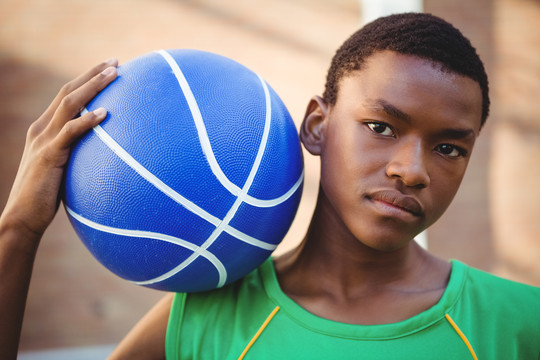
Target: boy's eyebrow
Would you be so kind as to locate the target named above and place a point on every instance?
(389, 109)
(458, 134)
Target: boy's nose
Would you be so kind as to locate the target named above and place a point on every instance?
(408, 164)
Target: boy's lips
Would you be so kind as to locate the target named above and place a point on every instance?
(397, 199)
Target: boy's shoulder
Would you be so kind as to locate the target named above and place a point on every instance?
(497, 284)
(500, 317)
(489, 293)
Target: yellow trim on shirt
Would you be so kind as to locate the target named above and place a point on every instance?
(461, 335)
(259, 332)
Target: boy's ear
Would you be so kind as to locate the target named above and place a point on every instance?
(312, 130)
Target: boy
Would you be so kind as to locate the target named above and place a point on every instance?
(405, 99)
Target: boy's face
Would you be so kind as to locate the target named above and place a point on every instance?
(395, 146)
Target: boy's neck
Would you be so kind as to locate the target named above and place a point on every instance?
(355, 267)
(339, 278)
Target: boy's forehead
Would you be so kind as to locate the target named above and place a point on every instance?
(390, 66)
(410, 82)
(398, 62)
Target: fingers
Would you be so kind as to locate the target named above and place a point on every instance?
(55, 131)
(74, 85)
(72, 103)
(33, 200)
(81, 80)
(73, 129)
(84, 78)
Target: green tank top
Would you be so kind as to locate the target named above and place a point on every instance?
(479, 316)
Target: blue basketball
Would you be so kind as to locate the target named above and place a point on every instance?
(193, 178)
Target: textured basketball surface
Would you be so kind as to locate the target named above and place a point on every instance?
(194, 177)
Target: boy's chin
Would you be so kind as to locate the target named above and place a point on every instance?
(388, 241)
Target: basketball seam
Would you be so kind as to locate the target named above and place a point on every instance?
(206, 146)
(171, 193)
(205, 143)
(240, 193)
(148, 235)
(168, 191)
(204, 140)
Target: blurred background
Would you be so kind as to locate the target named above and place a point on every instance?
(493, 224)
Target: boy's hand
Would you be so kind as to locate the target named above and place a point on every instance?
(34, 198)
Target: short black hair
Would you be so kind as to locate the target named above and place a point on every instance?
(418, 34)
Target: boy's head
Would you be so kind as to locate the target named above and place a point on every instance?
(406, 97)
(417, 34)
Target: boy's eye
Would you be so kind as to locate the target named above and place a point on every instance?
(450, 150)
(380, 128)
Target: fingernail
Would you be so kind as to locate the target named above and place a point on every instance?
(112, 61)
(108, 71)
(101, 112)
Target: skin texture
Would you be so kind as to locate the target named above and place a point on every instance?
(34, 198)
(147, 338)
(418, 105)
(393, 149)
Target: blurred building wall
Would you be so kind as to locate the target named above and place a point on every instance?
(515, 148)
(493, 223)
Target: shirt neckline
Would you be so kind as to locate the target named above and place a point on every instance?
(373, 332)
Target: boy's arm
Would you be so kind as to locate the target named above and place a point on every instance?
(34, 197)
(146, 341)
